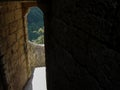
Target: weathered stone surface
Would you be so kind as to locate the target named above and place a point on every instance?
(36, 55)
(12, 46)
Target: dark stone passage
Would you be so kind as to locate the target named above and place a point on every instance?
(3, 82)
(82, 45)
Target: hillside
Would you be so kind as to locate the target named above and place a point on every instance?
(35, 22)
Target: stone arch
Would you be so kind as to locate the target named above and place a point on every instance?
(38, 52)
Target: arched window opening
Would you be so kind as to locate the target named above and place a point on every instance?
(35, 20)
(34, 23)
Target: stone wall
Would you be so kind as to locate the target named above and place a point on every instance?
(82, 45)
(36, 55)
(13, 45)
(18, 57)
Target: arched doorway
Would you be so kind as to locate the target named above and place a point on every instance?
(34, 23)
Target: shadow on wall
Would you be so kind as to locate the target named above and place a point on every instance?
(29, 83)
(3, 82)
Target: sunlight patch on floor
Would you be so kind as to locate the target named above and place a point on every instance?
(39, 79)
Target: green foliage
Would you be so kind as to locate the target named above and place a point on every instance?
(35, 25)
(40, 39)
(33, 31)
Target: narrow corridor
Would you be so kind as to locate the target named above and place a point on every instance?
(38, 80)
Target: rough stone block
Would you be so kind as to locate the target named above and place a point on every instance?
(2, 20)
(23, 58)
(18, 5)
(15, 47)
(20, 34)
(7, 56)
(12, 44)
(3, 47)
(18, 14)
(2, 33)
(20, 23)
(21, 50)
(11, 39)
(3, 9)
(9, 17)
(11, 6)
(13, 27)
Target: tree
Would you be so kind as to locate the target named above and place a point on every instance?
(40, 39)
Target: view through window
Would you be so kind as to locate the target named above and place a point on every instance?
(35, 25)
(35, 28)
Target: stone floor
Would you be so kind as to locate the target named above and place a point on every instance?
(38, 80)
